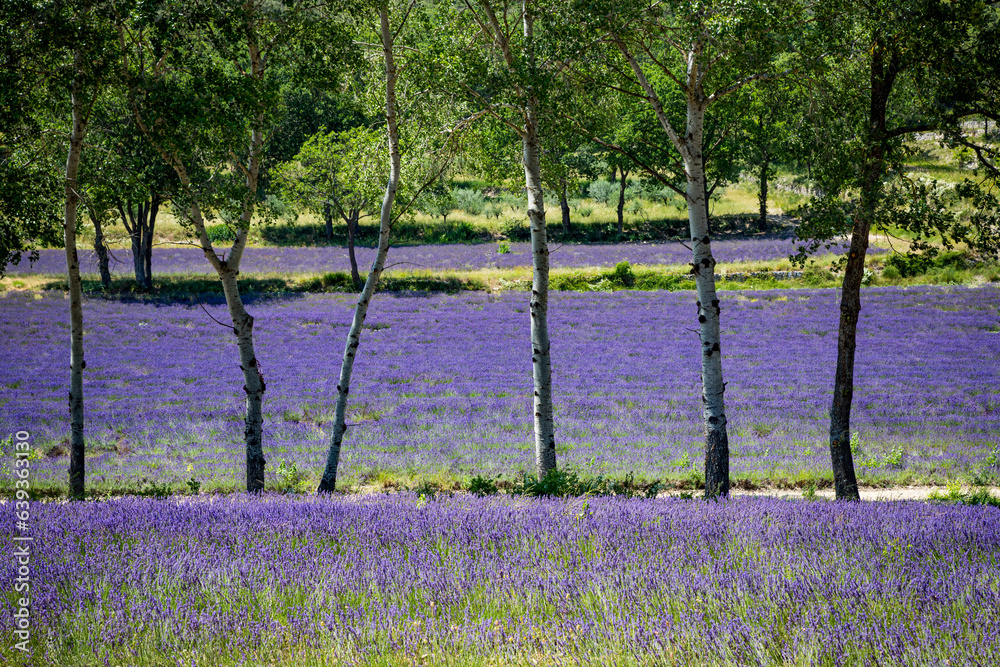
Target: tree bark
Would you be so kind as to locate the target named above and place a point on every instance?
(352, 228)
(101, 248)
(762, 195)
(621, 203)
(328, 220)
(564, 205)
(689, 146)
(703, 267)
(328, 483)
(545, 441)
(77, 460)
(845, 479)
(228, 272)
(147, 241)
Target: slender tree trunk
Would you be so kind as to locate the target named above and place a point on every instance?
(101, 248)
(328, 483)
(564, 205)
(545, 441)
(77, 460)
(703, 267)
(762, 195)
(621, 203)
(253, 379)
(328, 220)
(844, 478)
(132, 219)
(352, 228)
(147, 240)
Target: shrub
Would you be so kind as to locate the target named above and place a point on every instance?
(503, 248)
(623, 274)
(816, 275)
(584, 211)
(891, 273)
(470, 201)
(602, 191)
(515, 202)
(483, 486)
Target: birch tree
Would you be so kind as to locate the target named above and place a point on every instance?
(205, 91)
(410, 128)
(682, 59)
(67, 48)
(497, 60)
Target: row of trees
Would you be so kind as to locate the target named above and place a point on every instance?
(214, 107)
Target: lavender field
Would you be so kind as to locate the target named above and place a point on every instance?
(396, 580)
(442, 386)
(457, 257)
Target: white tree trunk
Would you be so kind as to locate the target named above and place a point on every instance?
(545, 441)
(77, 461)
(703, 268)
(328, 483)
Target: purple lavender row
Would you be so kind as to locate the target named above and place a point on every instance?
(436, 257)
(442, 384)
(392, 579)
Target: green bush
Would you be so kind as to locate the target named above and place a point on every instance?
(623, 274)
(816, 275)
(483, 486)
(602, 191)
(470, 201)
(890, 272)
(561, 483)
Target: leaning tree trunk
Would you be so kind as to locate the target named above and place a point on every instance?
(621, 203)
(101, 248)
(844, 477)
(77, 456)
(564, 205)
(762, 194)
(703, 267)
(253, 379)
(328, 483)
(352, 228)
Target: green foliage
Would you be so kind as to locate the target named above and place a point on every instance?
(289, 477)
(623, 274)
(602, 191)
(914, 264)
(483, 486)
(955, 495)
(470, 201)
(816, 275)
(563, 483)
(503, 248)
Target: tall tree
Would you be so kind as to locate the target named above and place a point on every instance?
(913, 66)
(204, 80)
(681, 59)
(329, 480)
(69, 49)
(501, 65)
